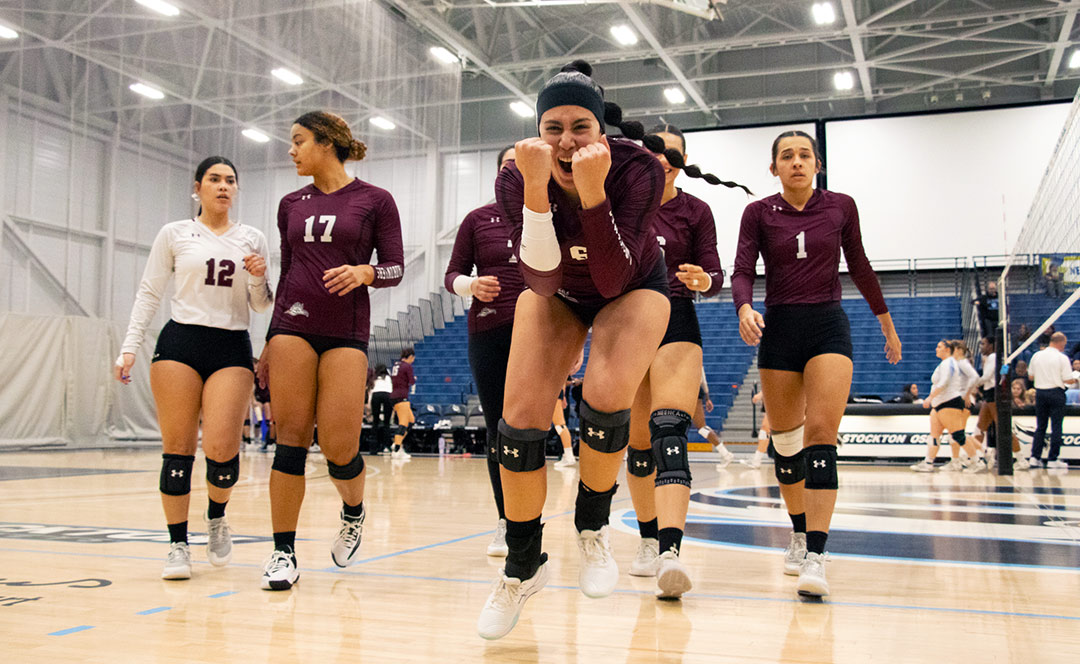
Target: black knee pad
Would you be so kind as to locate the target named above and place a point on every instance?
(400, 431)
(668, 428)
(290, 459)
(821, 467)
(223, 474)
(959, 437)
(605, 432)
(639, 463)
(521, 450)
(347, 471)
(176, 474)
(790, 469)
(492, 441)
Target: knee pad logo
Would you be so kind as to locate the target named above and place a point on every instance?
(511, 451)
(594, 433)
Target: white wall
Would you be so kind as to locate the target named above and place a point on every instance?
(955, 184)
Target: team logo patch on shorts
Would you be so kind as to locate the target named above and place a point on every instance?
(297, 309)
(486, 311)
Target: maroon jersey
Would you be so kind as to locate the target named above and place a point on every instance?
(801, 250)
(321, 231)
(606, 250)
(402, 378)
(687, 234)
(483, 240)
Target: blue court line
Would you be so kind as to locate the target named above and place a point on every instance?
(155, 610)
(224, 594)
(71, 630)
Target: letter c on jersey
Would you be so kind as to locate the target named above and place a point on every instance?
(579, 253)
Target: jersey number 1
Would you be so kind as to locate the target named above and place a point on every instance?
(801, 238)
(223, 277)
(328, 229)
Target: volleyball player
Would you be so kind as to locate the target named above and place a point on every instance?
(402, 378)
(558, 418)
(973, 448)
(705, 405)
(483, 240)
(658, 473)
(988, 410)
(382, 408)
(317, 343)
(581, 208)
(805, 337)
(763, 434)
(201, 370)
(949, 385)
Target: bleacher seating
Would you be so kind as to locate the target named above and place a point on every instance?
(1034, 309)
(444, 380)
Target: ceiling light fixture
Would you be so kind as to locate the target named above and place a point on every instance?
(624, 35)
(8, 33)
(160, 6)
(824, 13)
(146, 91)
(444, 55)
(522, 109)
(675, 95)
(382, 123)
(843, 80)
(256, 135)
(287, 76)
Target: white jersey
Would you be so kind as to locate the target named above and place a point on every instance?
(989, 366)
(384, 384)
(955, 377)
(211, 288)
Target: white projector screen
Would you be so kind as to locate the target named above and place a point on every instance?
(955, 184)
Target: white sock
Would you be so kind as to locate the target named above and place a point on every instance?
(757, 455)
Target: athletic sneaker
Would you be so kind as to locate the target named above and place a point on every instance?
(954, 466)
(726, 455)
(1057, 464)
(923, 466)
(346, 547)
(504, 604)
(567, 461)
(178, 564)
(599, 572)
(498, 542)
(795, 553)
(978, 466)
(754, 461)
(812, 576)
(648, 558)
(218, 541)
(1020, 463)
(672, 579)
(400, 453)
(1034, 463)
(279, 572)
(991, 458)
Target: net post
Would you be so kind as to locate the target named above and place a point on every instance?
(1003, 399)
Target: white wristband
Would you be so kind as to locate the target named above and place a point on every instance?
(539, 245)
(462, 285)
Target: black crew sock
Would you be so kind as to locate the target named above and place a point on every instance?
(670, 539)
(593, 507)
(648, 529)
(285, 541)
(496, 486)
(815, 541)
(524, 540)
(178, 532)
(353, 511)
(215, 510)
(798, 522)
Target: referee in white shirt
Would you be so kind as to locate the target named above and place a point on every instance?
(1051, 372)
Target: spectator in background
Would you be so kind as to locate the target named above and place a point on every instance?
(1044, 338)
(1020, 372)
(1020, 396)
(1076, 364)
(1054, 279)
(910, 394)
(987, 304)
(1021, 335)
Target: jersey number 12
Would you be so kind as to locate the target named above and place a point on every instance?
(223, 277)
(801, 239)
(327, 235)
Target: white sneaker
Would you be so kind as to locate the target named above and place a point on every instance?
(795, 553)
(498, 541)
(218, 541)
(726, 455)
(1057, 464)
(923, 466)
(599, 572)
(812, 576)
(400, 454)
(754, 461)
(648, 558)
(1034, 463)
(954, 466)
(1020, 463)
(178, 564)
(346, 547)
(279, 572)
(977, 466)
(567, 461)
(991, 458)
(504, 604)
(672, 579)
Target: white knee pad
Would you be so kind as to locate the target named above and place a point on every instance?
(762, 434)
(559, 429)
(704, 432)
(788, 443)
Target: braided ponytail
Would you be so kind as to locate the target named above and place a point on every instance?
(634, 130)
